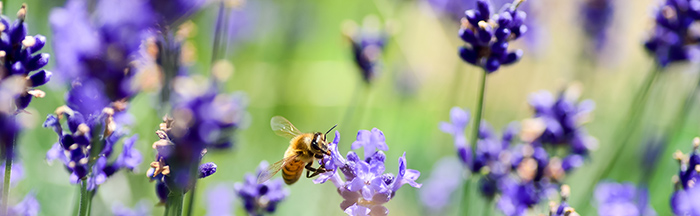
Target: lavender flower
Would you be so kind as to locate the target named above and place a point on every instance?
(201, 121)
(260, 199)
(459, 119)
(563, 208)
(444, 180)
(88, 144)
(597, 16)
(9, 128)
(101, 50)
(684, 199)
(622, 199)
(563, 120)
(142, 208)
(366, 187)
(371, 141)
(488, 36)
(220, 200)
(171, 12)
(368, 43)
(28, 207)
(20, 57)
(673, 38)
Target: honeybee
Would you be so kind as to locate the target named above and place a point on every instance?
(304, 149)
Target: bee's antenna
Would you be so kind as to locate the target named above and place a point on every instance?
(336, 125)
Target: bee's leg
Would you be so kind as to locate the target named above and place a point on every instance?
(316, 171)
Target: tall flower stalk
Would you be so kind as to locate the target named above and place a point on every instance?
(19, 61)
(487, 37)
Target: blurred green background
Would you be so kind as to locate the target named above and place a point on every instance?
(296, 63)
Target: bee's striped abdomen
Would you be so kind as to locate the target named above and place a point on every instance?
(292, 171)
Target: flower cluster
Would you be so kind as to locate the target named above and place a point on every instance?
(622, 199)
(199, 122)
(88, 144)
(365, 188)
(368, 42)
(19, 54)
(563, 208)
(537, 172)
(562, 120)
(597, 16)
(487, 35)
(437, 190)
(259, 199)
(673, 38)
(684, 198)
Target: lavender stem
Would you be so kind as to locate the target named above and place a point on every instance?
(6, 183)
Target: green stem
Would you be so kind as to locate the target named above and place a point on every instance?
(466, 202)
(85, 200)
(631, 122)
(194, 171)
(173, 205)
(489, 207)
(6, 183)
(479, 108)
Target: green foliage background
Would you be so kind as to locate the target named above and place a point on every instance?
(301, 68)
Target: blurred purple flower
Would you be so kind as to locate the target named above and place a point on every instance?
(685, 200)
(220, 200)
(169, 12)
(28, 207)
(597, 17)
(259, 199)
(368, 43)
(201, 121)
(563, 119)
(487, 35)
(674, 39)
(437, 190)
(142, 208)
(563, 208)
(366, 187)
(100, 50)
(615, 199)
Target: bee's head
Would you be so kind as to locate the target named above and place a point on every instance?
(319, 144)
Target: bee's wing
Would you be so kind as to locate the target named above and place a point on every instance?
(282, 127)
(274, 168)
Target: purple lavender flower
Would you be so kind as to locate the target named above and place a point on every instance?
(453, 9)
(201, 121)
(90, 135)
(366, 187)
(563, 119)
(142, 208)
(563, 208)
(684, 199)
(100, 50)
(371, 141)
(444, 180)
(368, 43)
(260, 199)
(459, 119)
(622, 199)
(19, 54)
(487, 37)
(597, 16)
(220, 200)
(170, 12)
(28, 207)
(673, 39)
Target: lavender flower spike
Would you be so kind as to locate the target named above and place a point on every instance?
(488, 35)
(259, 199)
(563, 208)
(622, 199)
(366, 187)
(673, 38)
(683, 200)
(19, 53)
